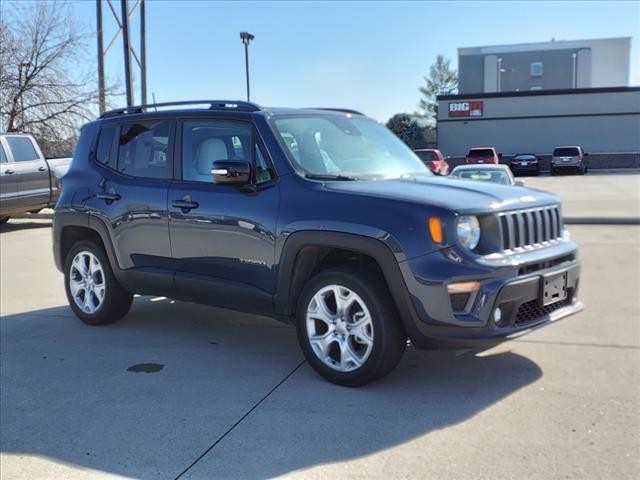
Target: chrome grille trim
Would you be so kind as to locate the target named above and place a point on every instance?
(530, 228)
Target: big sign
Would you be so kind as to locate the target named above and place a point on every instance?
(465, 109)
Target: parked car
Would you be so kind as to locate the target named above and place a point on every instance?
(483, 155)
(569, 158)
(28, 181)
(348, 236)
(433, 158)
(525, 163)
(486, 173)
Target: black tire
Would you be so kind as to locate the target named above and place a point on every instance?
(3, 220)
(389, 337)
(553, 172)
(116, 301)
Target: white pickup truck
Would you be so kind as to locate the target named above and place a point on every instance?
(28, 181)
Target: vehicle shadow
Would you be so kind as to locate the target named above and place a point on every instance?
(81, 395)
(16, 226)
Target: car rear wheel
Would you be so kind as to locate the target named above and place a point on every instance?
(94, 294)
(348, 327)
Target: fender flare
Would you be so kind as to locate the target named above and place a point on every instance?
(374, 248)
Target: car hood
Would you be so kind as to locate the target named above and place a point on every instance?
(462, 196)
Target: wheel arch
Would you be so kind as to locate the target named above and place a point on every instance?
(307, 252)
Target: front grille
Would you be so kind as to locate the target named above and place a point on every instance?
(533, 310)
(530, 227)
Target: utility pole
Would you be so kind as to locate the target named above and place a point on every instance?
(127, 52)
(123, 21)
(246, 38)
(101, 98)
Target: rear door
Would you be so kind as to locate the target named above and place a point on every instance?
(135, 167)
(8, 184)
(224, 245)
(32, 172)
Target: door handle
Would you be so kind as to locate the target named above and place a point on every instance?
(185, 204)
(8, 171)
(42, 169)
(108, 196)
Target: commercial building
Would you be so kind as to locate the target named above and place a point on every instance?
(562, 64)
(602, 120)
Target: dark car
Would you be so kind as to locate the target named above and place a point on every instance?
(433, 158)
(322, 219)
(525, 163)
(569, 158)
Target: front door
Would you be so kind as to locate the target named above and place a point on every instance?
(8, 185)
(224, 245)
(31, 171)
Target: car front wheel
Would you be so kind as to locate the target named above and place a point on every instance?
(94, 294)
(348, 327)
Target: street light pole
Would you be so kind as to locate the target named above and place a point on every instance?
(246, 38)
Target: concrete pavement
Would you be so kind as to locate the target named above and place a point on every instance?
(231, 398)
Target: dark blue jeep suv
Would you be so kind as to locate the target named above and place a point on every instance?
(320, 218)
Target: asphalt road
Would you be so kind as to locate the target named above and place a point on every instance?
(228, 395)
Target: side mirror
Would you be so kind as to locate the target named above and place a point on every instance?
(231, 172)
(520, 183)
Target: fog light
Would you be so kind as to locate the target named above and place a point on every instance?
(497, 316)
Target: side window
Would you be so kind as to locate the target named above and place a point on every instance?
(264, 173)
(206, 141)
(105, 143)
(3, 157)
(143, 150)
(22, 149)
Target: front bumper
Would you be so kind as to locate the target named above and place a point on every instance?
(516, 288)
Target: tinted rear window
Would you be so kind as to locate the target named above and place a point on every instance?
(103, 152)
(143, 149)
(566, 152)
(22, 149)
(524, 157)
(427, 156)
(481, 152)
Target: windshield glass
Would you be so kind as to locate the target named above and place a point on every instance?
(480, 152)
(427, 155)
(566, 152)
(345, 146)
(494, 176)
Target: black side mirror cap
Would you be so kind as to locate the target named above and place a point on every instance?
(231, 172)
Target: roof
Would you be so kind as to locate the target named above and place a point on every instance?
(482, 166)
(539, 93)
(548, 45)
(218, 106)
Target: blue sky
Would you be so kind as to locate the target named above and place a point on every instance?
(371, 56)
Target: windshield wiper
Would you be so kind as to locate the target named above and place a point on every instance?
(314, 176)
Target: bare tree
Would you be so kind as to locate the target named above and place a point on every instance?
(441, 81)
(47, 84)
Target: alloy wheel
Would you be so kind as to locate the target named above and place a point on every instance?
(87, 282)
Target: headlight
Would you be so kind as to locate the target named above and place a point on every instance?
(468, 230)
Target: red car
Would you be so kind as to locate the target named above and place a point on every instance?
(483, 155)
(433, 158)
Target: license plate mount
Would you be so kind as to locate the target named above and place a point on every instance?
(554, 288)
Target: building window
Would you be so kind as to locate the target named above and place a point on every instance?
(536, 69)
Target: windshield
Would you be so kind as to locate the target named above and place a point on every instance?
(566, 152)
(345, 146)
(427, 155)
(480, 152)
(494, 176)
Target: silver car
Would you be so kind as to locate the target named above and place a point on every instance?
(569, 158)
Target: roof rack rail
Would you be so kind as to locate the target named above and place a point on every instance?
(343, 110)
(237, 105)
